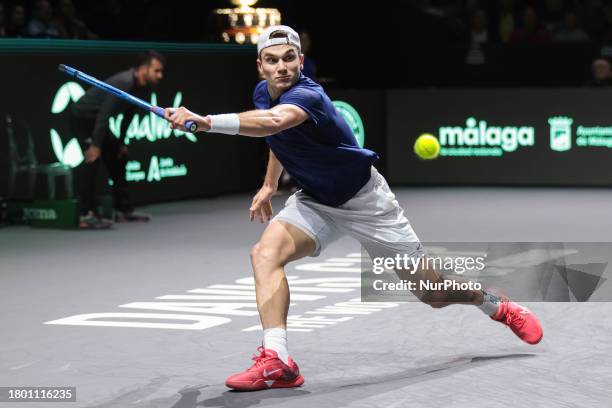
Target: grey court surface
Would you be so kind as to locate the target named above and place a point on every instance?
(189, 269)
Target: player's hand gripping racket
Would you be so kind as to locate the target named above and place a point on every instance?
(189, 125)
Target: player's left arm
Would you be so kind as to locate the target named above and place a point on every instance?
(255, 123)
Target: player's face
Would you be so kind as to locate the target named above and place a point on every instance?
(154, 72)
(280, 65)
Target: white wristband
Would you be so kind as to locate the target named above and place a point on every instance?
(227, 123)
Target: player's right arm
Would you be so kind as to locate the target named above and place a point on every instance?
(261, 207)
(255, 123)
(267, 122)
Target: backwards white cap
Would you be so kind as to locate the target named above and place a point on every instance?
(265, 41)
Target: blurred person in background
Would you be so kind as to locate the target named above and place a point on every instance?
(531, 32)
(601, 73)
(89, 117)
(479, 36)
(568, 31)
(41, 25)
(15, 20)
(68, 25)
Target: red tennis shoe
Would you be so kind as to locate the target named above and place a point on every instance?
(268, 371)
(520, 319)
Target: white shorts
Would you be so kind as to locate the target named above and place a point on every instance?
(373, 217)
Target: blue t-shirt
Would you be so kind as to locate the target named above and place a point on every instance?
(321, 154)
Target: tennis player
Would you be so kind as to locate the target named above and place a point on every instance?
(341, 194)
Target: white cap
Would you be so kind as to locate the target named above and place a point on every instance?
(265, 41)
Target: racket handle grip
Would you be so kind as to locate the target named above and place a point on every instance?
(190, 125)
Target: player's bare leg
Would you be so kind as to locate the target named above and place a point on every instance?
(438, 298)
(280, 244)
(520, 319)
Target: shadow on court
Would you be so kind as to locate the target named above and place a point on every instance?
(341, 392)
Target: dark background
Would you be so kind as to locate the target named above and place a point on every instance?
(364, 44)
(208, 80)
(402, 65)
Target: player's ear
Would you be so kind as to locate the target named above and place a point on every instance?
(259, 67)
(301, 62)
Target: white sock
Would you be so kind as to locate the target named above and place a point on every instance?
(276, 339)
(490, 304)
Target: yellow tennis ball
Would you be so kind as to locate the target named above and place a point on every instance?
(427, 146)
